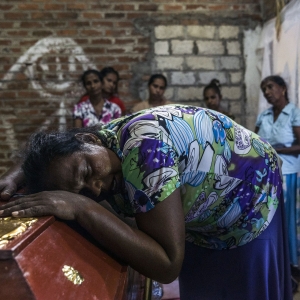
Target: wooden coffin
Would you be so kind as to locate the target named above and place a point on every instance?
(53, 260)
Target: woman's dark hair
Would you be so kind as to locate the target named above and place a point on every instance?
(88, 72)
(215, 85)
(110, 70)
(157, 76)
(43, 147)
(278, 80)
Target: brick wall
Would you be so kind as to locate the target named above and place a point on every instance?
(46, 45)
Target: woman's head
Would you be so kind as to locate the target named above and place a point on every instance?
(157, 85)
(92, 82)
(70, 160)
(110, 80)
(212, 94)
(274, 89)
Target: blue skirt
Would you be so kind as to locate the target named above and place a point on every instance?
(291, 194)
(257, 270)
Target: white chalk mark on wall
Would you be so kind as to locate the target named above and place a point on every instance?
(66, 51)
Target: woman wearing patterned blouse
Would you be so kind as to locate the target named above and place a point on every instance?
(205, 192)
(96, 109)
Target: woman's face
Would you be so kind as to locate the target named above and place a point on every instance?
(212, 99)
(93, 171)
(109, 84)
(157, 89)
(274, 93)
(92, 84)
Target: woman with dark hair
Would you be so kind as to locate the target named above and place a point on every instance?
(157, 85)
(280, 126)
(96, 109)
(190, 178)
(110, 79)
(212, 97)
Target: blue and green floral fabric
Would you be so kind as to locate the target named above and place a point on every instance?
(229, 178)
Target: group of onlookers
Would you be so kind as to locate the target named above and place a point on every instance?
(101, 103)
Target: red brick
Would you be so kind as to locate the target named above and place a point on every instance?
(7, 95)
(124, 7)
(29, 24)
(15, 33)
(77, 6)
(148, 7)
(54, 24)
(16, 50)
(5, 7)
(124, 41)
(42, 16)
(123, 24)
(28, 6)
(66, 15)
(28, 43)
(120, 68)
(15, 16)
(101, 7)
(81, 24)
(115, 33)
(81, 41)
(141, 49)
(114, 16)
(168, 8)
(91, 33)
(143, 40)
(101, 24)
(196, 6)
(137, 15)
(6, 25)
(42, 33)
(130, 58)
(67, 32)
(94, 50)
(92, 15)
(28, 94)
(116, 51)
(54, 6)
(5, 42)
(101, 42)
(219, 7)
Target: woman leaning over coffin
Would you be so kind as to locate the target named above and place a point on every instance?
(189, 177)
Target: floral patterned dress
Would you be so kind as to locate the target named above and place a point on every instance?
(229, 178)
(86, 112)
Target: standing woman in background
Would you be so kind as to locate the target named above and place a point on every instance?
(96, 109)
(157, 85)
(109, 87)
(212, 97)
(280, 126)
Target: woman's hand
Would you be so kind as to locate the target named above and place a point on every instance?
(10, 181)
(7, 188)
(61, 204)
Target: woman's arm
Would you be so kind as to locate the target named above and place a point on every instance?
(294, 149)
(155, 249)
(77, 123)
